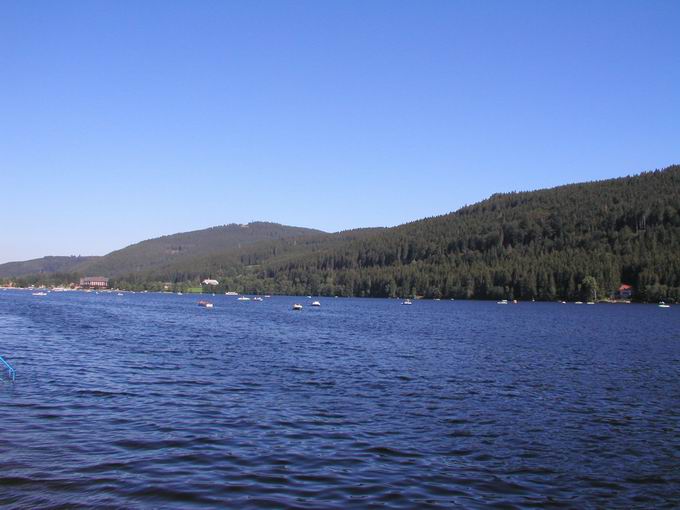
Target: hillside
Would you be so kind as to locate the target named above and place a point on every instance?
(172, 249)
(576, 241)
(159, 252)
(44, 265)
(241, 260)
(569, 242)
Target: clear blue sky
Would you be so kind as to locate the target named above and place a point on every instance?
(121, 121)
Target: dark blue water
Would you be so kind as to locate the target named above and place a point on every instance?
(150, 401)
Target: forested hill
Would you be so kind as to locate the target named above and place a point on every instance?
(567, 242)
(44, 265)
(175, 248)
(158, 252)
(570, 242)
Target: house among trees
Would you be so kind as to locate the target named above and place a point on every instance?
(94, 282)
(625, 291)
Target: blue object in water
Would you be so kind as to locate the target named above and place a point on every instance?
(10, 370)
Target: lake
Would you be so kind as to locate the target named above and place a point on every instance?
(147, 400)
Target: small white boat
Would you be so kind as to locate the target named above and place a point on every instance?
(231, 293)
(267, 296)
(257, 298)
(407, 302)
(590, 303)
(502, 302)
(119, 294)
(663, 305)
(316, 303)
(297, 306)
(205, 304)
(243, 298)
(179, 294)
(578, 302)
(40, 293)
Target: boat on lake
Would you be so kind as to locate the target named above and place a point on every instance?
(502, 302)
(407, 302)
(316, 303)
(205, 304)
(663, 305)
(40, 293)
(243, 298)
(297, 306)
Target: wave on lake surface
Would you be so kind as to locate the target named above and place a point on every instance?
(147, 400)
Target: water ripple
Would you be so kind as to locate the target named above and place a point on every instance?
(151, 401)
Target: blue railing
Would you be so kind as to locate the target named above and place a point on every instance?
(10, 370)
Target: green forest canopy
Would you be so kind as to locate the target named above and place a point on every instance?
(571, 242)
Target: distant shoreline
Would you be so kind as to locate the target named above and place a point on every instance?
(417, 298)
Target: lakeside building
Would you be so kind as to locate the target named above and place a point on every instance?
(94, 282)
(210, 282)
(625, 291)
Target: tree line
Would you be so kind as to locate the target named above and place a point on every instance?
(573, 242)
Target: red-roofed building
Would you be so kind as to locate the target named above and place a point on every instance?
(625, 291)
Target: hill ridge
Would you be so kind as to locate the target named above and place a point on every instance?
(566, 242)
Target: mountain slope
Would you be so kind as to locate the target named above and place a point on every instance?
(542, 244)
(159, 252)
(577, 241)
(196, 268)
(44, 265)
(170, 249)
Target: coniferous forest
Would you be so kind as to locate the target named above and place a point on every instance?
(579, 241)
